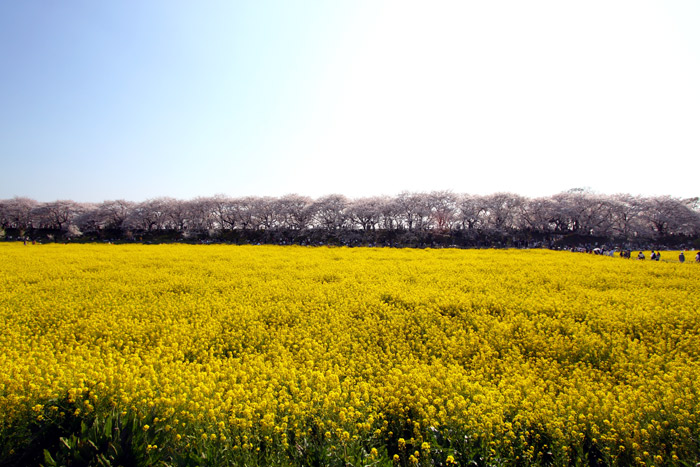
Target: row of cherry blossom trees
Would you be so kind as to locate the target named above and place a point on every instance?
(622, 217)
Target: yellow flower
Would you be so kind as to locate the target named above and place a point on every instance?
(300, 341)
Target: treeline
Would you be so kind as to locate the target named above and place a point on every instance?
(439, 218)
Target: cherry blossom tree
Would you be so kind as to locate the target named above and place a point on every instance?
(17, 213)
(330, 211)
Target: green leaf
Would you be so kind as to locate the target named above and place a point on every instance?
(108, 426)
(113, 447)
(102, 460)
(70, 444)
(48, 459)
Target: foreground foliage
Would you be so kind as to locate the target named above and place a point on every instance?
(215, 355)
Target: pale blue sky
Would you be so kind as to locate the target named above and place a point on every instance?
(138, 99)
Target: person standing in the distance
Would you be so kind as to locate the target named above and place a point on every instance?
(681, 257)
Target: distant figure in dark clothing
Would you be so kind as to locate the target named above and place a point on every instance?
(658, 255)
(640, 255)
(681, 257)
(653, 255)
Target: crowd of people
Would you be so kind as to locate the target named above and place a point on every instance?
(656, 256)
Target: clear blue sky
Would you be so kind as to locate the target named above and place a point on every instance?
(133, 99)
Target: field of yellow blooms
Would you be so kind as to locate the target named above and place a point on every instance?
(266, 355)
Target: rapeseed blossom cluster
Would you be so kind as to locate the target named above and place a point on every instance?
(384, 356)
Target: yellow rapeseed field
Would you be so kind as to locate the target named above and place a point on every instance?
(264, 355)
